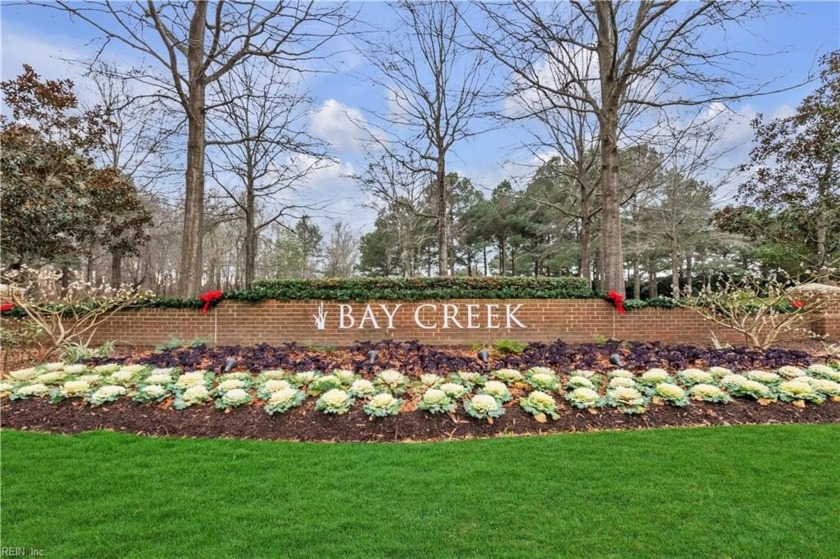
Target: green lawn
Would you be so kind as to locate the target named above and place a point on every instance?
(714, 492)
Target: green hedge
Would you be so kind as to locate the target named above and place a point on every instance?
(416, 289)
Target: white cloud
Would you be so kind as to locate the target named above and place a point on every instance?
(343, 127)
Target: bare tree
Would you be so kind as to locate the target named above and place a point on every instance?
(650, 54)
(264, 151)
(195, 45)
(434, 85)
(341, 251)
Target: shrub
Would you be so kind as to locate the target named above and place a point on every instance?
(509, 346)
(538, 402)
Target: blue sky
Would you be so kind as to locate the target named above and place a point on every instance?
(41, 37)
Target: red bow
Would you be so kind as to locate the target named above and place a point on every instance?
(208, 298)
(7, 307)
(797, 304)
(617, 301)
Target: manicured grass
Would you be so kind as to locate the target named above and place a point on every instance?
(714, 492)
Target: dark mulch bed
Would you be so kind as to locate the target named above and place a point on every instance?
(306, 424)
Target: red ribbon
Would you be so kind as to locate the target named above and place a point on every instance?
(797, 304)
(7, 307)
(208, 298)
(617, 301)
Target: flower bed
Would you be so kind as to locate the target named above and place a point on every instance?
(527, 400)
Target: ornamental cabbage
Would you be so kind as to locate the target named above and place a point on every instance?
(508, 376)
(793, 390)
(362, 387)
(538, 402)
(621, 382)
(653, 377)
(578, 381)
(283, 400)
(497, 389)
(27, 391)
(720, 372)
(709, 393)
(790, 372)
(453, 390)
(23, 374)
(543, 381)
(824, 371)
(483, 406)
(334, 401)
(107, 368)
(628, 400)
(107, 393)
(764, 377)
(383, 405)
(690, 377)
(234, 398)
(151, 393)
(435, 400)
(671, 393)
(583, 398)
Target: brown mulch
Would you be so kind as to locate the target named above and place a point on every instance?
(307, 424)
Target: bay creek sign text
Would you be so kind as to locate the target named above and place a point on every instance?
(427, 316)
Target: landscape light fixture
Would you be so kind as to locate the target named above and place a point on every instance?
(230, 363)
(484, 355)
(615, 359)
(372, 356)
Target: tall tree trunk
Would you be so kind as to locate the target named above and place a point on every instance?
(485, 260)
(653, 290)
(612, 273)
(585, 246)
(189, 273)
(675, 266)
(442, 219)
(637, 276)
(250, 235)
(116, 269)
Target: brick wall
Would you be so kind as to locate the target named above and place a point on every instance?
(275, 322)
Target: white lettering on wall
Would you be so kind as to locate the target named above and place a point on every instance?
(510, 316)
(417, 316)
(391, 314)
(368, 315)
(427, 316)
(345, 314)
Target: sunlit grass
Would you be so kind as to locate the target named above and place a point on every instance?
(715, 492)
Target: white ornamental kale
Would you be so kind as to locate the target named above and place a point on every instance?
(583, 398)
(542, 380)
(790, 372)
(228, 385)
(720, 372)
(739, 385)
(334, 401)
(621, 373)
(105, 394)
(391, 380)
(430, 380)
(75, 369)
(709, 393)
(690, 377)
(628, 400)
(158, 378)
(764, 377)
(652, 377)
(671, 393)
(270, 386)
(192, 395)
(27, 391)
(136, 368)
(194, 378)
(271, 374)
(538, 402)
(122, 376)
(53, 377)
(824, 371)
(107, 368)
(435, 400)
(151, 393)
(793, 390)
(383, 405)
(498, 390)
(362, 387)
(324, 383)
(827, 388)
(283, 400)
(344, 376)
(621, 382)
(469, 379)
(578, 381)
(74, 388)
(93, 379)
(453, 390)
(304, 378)
(483, 406)
(234, 398)
(24, 374)
(52, 367)
(508, 376)
(6, 387)
(582, 373)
